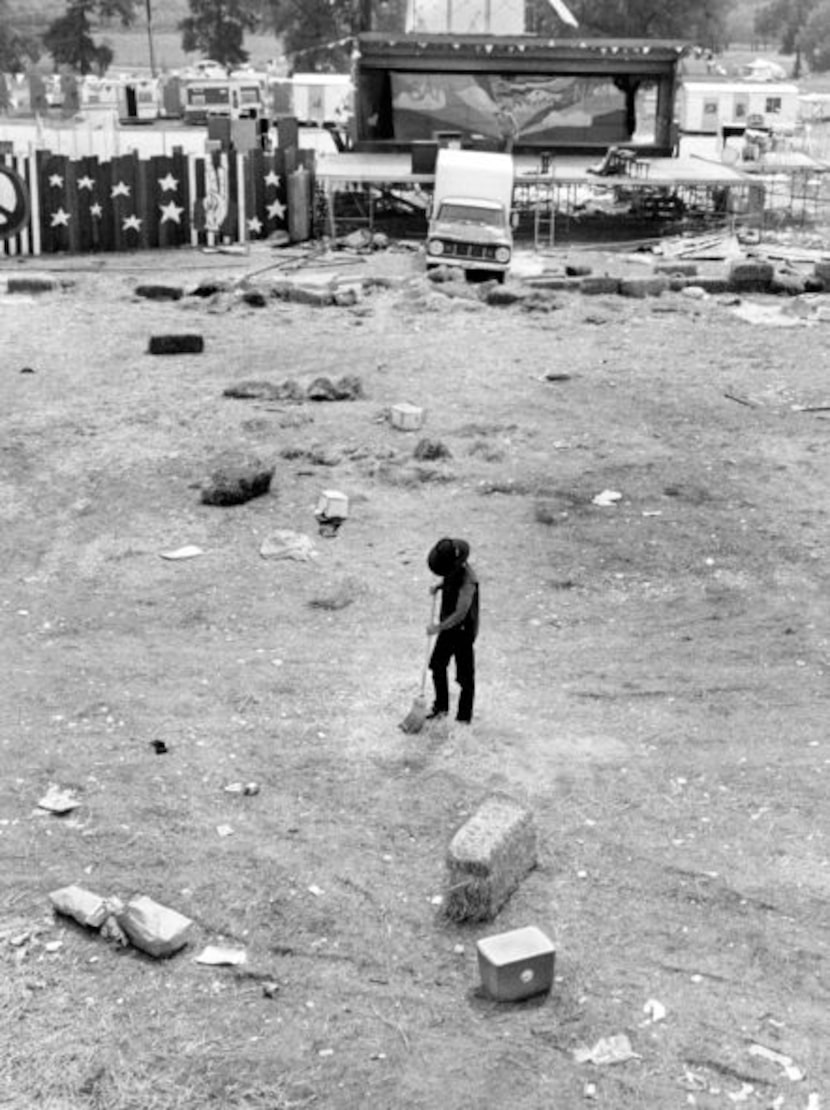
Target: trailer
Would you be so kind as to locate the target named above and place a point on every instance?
(707, 107)
(322, 98)
(232, 98)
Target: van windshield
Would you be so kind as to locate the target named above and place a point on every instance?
(471, 214)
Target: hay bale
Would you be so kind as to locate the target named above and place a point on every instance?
(641, 287)
(159, 292)
(750, 275)
(255, 298)
(487, 859)
(31, 285)
(176, 345)
(211, 288)
(235, 483)
(601, 284)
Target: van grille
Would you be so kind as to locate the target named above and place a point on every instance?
(469, 250)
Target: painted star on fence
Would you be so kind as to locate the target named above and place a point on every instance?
(96, 210)
(255, 225)
(171, 211)
(132, 222)
(56, 181)
(122, 189)
(60, 218)
(168, 183)
(276, 210)
(273, 178)
(86, 182)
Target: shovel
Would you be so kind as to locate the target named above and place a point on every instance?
(415, 719)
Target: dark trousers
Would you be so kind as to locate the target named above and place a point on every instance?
(459, 646)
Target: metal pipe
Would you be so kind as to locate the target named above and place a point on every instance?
(150, 37)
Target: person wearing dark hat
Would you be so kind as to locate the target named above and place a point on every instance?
(456, 629)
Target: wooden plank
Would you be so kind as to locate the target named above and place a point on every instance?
(55, 214)
(34, 199)
(144, 206)
(184, 197)
(104, 229)
(72, 207)
(86, 197)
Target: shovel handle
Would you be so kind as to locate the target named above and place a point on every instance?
(429, 644)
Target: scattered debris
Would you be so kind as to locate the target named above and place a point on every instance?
(246, 788)
(224, 830)
(284, 544)
(270, 989)
(58, 800)
(655, 1011)
(790, 1069)
(516, 965)
(214, 956)
(741, 400)
(332, 509)
(741, 1096)
(557, 376)
(176, 345)
(315, 890)
(159, 747)
(427, 450)
(607, 498)
(189, 551)
(406, 417)
(772, 314)
(615, 1049)
(347, 388)
(26, 370)
(288, 390)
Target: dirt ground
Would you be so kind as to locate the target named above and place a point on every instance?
(652, 683)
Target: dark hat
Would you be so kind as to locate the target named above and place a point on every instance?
(447, 555)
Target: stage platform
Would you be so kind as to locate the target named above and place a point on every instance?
(336, 170)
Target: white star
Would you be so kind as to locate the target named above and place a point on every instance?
(133, 222)
(276, 210)
(255, 225)
(272, 178)
(95, 210)
(60, 218)
(120, 190)
(169, 183)
(171, 211)
(86, 182)
(56, 181)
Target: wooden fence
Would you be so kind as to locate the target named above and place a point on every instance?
(81, 205)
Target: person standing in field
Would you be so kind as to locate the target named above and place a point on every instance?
(457, 627)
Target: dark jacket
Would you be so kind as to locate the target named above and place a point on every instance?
(460, 602)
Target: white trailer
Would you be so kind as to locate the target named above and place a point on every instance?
(706, 107)
(322, 98)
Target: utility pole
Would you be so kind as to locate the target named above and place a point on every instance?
(150, 37)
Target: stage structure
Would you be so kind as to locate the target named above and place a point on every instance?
(519, 93)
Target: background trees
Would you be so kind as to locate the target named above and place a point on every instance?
(217, 29)
(16, 49)
(69, 38)
(699, 21)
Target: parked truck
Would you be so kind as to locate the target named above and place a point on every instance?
(471, 220)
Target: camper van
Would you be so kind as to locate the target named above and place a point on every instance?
(706, 107)
(471, 221)
(233, 98)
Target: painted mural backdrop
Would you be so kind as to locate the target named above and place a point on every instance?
(532, 110)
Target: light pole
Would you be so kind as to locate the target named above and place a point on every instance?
(150, 37)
